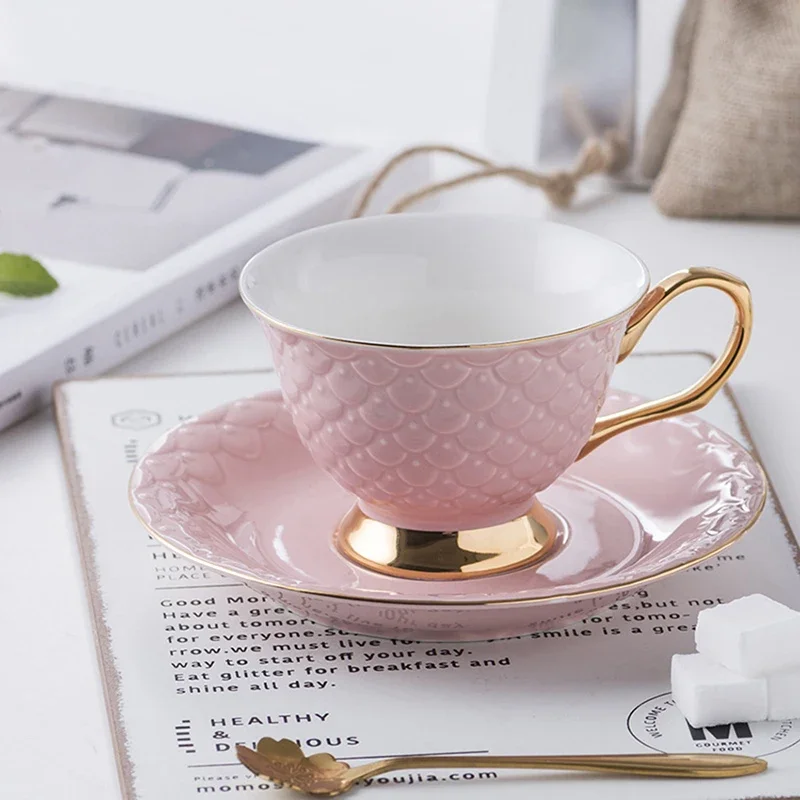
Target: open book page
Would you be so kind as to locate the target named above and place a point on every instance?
(103, 194)
(122, 187)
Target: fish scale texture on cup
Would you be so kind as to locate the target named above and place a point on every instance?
(427, 438)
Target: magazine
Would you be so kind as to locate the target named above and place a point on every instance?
(144, 219)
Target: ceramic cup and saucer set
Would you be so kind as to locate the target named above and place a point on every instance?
(446, 459)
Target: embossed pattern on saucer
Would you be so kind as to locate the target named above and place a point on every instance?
(236, 490)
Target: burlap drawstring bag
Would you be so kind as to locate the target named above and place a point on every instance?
(724, 137)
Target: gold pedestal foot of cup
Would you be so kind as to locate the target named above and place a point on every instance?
(447, 555)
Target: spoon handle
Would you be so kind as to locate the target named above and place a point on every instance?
(665, 765)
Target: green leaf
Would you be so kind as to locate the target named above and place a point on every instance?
(24, 276)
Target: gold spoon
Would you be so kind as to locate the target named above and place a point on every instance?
(322, 775)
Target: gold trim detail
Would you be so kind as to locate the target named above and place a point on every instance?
(698, 395)
(285, 326)
(447, 555)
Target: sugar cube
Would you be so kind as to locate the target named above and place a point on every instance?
(754, 635)
(707, 693)
(783, 693)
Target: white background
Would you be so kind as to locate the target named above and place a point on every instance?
(370, 71)
(353, 71)
(348, 71)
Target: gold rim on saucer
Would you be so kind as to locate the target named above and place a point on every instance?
(622, 586)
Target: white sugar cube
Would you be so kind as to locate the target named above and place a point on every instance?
(707, 693)
(753, 635)
(783, 693)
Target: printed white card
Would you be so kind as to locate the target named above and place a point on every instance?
(194, 662)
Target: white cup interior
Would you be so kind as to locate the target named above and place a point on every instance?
(442, 280)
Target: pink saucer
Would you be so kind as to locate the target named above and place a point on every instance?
(236, 490)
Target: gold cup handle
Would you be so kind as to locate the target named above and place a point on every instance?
(698, 395)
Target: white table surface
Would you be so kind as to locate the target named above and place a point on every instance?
(54, 738)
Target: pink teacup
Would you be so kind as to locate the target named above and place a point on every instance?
(445, 368)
